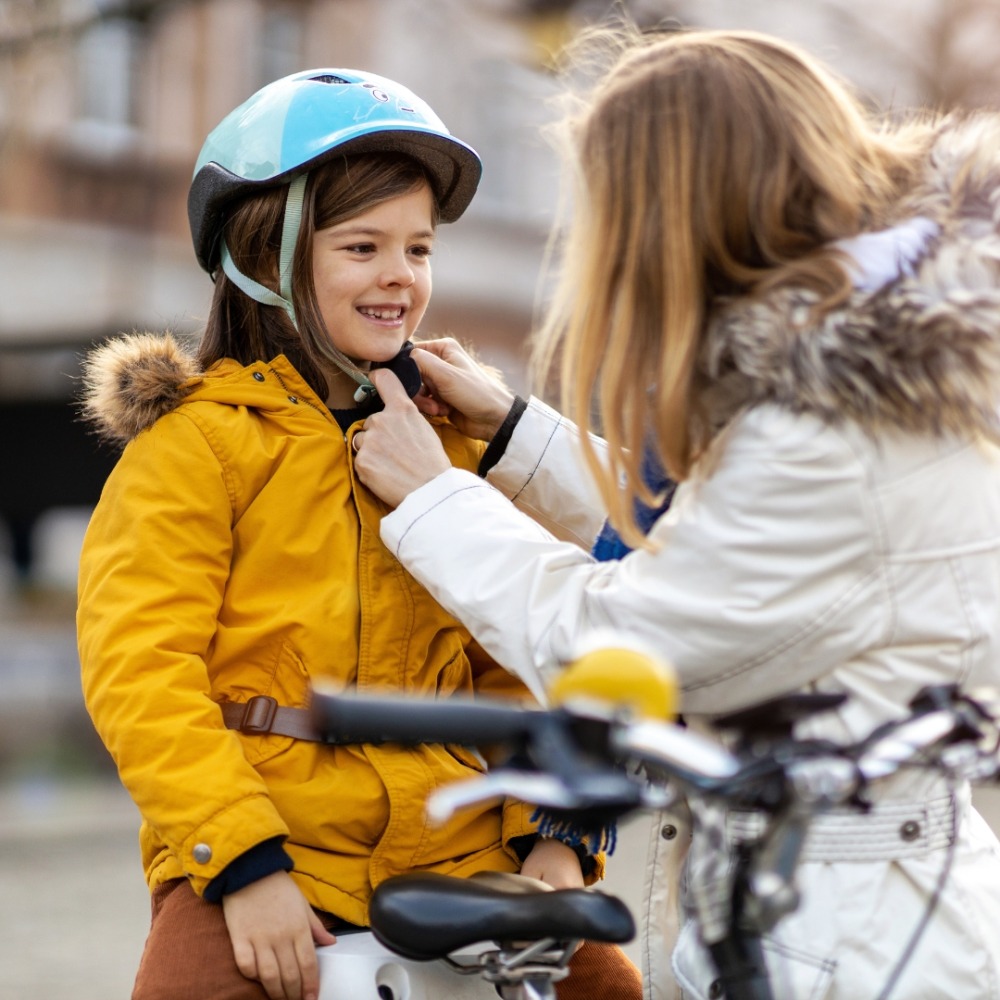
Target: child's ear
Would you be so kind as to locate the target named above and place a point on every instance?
(405, 369)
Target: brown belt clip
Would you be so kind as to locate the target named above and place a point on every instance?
(262, 714)
(258, 715)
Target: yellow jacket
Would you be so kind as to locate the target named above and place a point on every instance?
(233, 554)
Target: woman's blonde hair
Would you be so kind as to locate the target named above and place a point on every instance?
(707, 164)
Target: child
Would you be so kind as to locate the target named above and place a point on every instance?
(796, 310)
(233, 560)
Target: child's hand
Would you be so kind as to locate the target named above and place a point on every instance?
(552, 862)
(273, 930)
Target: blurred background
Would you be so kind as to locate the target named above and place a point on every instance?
(103, 107)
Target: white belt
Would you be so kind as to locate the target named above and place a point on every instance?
(888, 831)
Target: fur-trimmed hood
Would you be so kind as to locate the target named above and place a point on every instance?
(134, 379)
(131, 381)
(920, 351)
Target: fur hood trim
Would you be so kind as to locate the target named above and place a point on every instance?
(921, 352)
(132, 380)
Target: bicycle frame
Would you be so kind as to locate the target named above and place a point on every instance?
(358, 966)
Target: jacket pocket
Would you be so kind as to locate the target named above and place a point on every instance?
(795, 974)
(467, 757)
(285, 679)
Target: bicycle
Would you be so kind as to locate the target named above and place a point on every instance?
(586, 763)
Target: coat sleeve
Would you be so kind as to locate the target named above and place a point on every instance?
(759, 571)
(153, 571)
(542, 472)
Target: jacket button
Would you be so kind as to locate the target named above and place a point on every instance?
(202, 853)
(259, 376)
(668, 831)
(293, 399)
(910, 830)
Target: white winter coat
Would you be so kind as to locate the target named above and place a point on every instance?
(842, 535)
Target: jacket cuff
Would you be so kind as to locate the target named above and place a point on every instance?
(537, 426)
(424, 500)
(264, 859)
(498, 445)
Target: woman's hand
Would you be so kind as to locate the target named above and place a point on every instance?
(457, 387)
(274, 933)
(552, 862)
(397, 450)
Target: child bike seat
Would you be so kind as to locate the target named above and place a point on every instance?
(428, 916)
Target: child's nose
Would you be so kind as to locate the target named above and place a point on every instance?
(397, 271)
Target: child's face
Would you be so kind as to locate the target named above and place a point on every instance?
(373, 276)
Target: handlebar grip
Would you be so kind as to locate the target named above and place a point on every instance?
(346, 719)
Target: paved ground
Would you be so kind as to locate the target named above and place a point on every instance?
(73, 906)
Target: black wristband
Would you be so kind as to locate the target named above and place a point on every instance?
(496, 448)
(265, 858)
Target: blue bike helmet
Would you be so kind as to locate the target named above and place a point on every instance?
(293, 125)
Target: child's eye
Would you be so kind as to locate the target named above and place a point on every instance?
(421, 250)
(361, 248)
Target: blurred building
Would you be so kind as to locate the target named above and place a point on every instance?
(103, 107)
(104, 104)
(898, 53)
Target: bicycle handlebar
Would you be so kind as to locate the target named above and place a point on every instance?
(571, 760)
(346, 718)
(582, 742)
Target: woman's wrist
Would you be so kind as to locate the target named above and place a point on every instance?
(505, 401)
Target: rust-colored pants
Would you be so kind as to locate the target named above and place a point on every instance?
(188, 956)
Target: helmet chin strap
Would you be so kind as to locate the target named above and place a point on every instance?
(261, 293)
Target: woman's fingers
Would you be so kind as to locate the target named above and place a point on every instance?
(399, 450)
(478, 402)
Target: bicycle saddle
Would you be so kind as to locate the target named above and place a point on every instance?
(428, 916)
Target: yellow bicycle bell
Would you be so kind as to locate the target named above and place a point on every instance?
(621, 675)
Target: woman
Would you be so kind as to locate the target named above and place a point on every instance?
(796, 312)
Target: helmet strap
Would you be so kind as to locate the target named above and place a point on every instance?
(254, 289)
(264, 295)
(290, 236)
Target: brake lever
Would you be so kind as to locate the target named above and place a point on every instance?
(904, 743)
(698, 761)
(538, 789)
(547, 791)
